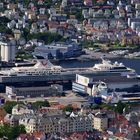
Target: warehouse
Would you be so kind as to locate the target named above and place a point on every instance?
(30, 92)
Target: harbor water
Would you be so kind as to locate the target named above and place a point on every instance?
(131, 63)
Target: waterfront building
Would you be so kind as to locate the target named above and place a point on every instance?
(85, 84)
(29, 92)
(58, 50)
(8, 51)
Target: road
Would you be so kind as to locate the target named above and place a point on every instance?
(97, 55)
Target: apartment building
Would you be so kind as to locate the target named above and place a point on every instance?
(57, 123)
(100, 121)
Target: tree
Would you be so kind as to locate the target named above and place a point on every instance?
(46, 37)
(4, 20)
(79, 16)
(68, 108)
(138, 131)
(11, 132)
(17, 130)
(39, 104)
(119, 107)
(8, 106)
(48, 3)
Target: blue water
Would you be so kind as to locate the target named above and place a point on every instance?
(131, 63)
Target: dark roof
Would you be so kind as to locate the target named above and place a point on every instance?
(113, 79)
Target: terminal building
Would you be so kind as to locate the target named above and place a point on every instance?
(85, 84)
(108, 88)
(30, 92)
(58, 50)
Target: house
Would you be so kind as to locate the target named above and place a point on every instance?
(112, 130)
(11, 119)
(58, 17)
(74, 3)
(1, 5)
(17, 34)
(40, 2)
(30, 14)
(42, 17)
(88, 3)
(11, 24)
(42, 11)
(52, 26)
(21, 109)
(52, 11)
(12, 6)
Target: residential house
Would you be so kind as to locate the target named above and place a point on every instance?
(30, 14)
(88, 3)
(52, 26)
(11, 119)
(42, 17)
(58, 17)
(21, 109)
(12, 6)
(17, 34)
(42, 11)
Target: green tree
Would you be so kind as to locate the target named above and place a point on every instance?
(17, 130)
(48, 3)
(94, 2)
(138, 132)
(79, 15)
(11, 132)
(8, 106)
(68, 108)
(119, 107)
(39, 104)
(46, 37)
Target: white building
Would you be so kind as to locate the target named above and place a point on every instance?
(21, 109)
(8, 51)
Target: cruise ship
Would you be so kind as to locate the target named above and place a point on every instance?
(108, 66)
(44, 70)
